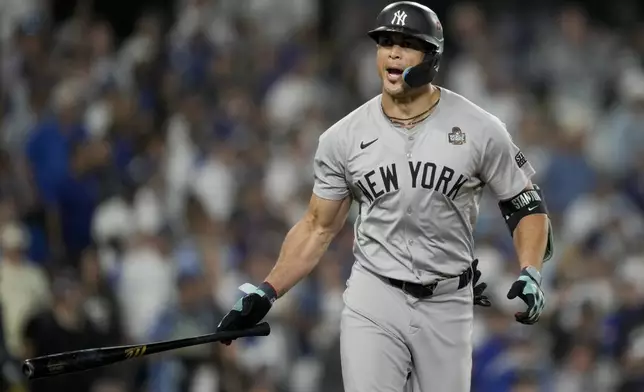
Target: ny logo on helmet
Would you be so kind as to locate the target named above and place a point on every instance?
(399, 18)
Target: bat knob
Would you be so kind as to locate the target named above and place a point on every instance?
(28, 369)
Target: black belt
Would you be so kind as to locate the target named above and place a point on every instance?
(423, 291)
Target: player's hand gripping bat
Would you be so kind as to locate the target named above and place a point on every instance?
(81, 360)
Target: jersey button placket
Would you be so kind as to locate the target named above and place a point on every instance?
(410, 245)
(410, 241)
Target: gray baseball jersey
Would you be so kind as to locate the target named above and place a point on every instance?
(418, 189)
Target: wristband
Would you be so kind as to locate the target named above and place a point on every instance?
(265, 289)
(268, 290)
(533, 273)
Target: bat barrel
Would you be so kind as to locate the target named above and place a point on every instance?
(70, 362)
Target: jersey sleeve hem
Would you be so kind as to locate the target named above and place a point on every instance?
(334, 196)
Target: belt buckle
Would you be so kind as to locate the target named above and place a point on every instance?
(410, 292)
(431, 287)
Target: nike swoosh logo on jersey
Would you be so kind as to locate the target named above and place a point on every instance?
(364, 145)
(532, 208)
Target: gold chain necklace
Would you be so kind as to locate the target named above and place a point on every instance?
(418, 118)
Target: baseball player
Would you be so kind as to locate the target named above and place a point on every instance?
(416, 159)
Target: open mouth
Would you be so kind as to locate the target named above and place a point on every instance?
(393, 74)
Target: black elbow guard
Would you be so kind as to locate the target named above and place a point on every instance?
(527, 203)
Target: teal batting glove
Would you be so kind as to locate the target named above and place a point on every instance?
(528, 288)
(250, 309)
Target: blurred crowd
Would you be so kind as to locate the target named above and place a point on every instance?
(144, 178)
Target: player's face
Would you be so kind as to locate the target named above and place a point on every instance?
(396, 52)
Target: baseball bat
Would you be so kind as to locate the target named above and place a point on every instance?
(81, 360)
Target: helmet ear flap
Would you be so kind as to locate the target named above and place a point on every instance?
(424, 72)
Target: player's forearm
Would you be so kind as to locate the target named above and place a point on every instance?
(301, 251)
(530, 240)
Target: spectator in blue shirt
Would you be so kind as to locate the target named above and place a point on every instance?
(77, 196)
(48, 154)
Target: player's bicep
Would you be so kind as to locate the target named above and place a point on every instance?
(328, 216)
(504, 167)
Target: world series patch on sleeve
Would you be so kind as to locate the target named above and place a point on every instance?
(520, 159)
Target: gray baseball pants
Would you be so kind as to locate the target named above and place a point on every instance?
(394, 342)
